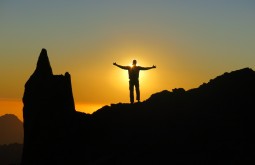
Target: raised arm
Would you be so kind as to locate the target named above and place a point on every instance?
(147, 68)
(120, 66)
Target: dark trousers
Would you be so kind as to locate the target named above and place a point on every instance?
(133, 83)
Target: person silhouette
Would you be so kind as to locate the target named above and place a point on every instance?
(133, 72)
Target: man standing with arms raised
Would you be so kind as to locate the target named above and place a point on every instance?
(133, 72)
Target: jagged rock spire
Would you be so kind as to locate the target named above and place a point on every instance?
(43, 67)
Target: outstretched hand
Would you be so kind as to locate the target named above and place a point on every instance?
(114, 63)
(153, 66)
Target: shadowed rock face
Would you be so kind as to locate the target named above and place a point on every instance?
(47, 112)
(212, 124)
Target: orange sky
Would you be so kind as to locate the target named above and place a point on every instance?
(11, 106)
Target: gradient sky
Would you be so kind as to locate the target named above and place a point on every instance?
(190, 42)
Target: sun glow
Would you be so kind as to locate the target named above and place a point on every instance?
(88, 108)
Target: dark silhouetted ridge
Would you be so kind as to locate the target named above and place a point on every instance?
(211, 124)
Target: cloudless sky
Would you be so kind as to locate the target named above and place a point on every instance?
(190, 42)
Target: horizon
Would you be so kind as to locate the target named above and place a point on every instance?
(87, 108)
(189, 42)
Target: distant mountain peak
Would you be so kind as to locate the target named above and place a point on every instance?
(11, 129)
(9, 116)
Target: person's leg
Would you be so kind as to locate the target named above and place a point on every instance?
(137, 91)
(131, 90)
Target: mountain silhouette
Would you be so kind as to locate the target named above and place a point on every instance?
(211, 124)
(11, 129)
(11, 139)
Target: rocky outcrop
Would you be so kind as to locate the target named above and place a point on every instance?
(47, 112)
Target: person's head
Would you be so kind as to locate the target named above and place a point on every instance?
(134, 62)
